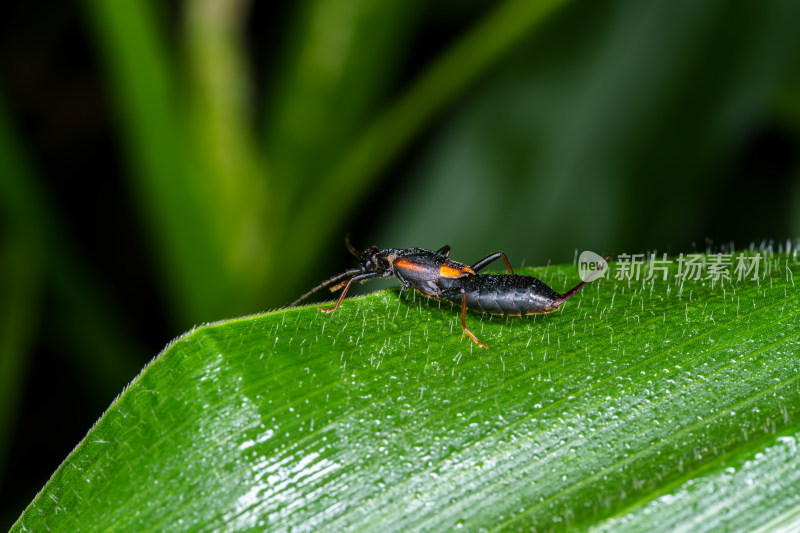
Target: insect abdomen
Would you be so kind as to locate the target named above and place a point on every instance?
(506, 294)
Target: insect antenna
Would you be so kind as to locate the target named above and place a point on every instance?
(350, 247)
(326, 283)
(572, 292)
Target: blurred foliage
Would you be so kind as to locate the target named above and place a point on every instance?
(252, 138)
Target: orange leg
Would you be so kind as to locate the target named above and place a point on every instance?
(464, 322)
(339, 301)
(360, 277)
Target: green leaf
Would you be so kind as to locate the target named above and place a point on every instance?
(639, 404)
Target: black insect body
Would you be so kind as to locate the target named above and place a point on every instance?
(503, 294)
(434, 274)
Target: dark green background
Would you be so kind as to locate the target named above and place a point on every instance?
(163, 164)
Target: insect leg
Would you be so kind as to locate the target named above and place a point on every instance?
(360, 277)
(444, 250)
(493, 257)
(464, 321)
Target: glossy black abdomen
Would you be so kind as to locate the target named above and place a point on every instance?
(504, 294)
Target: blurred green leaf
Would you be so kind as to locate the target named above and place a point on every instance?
(20, 287)
(339, 58)
(229, 168)
(635, 397)
(181, 208)
(40, 246)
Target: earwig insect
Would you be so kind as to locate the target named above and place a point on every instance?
(434, 274)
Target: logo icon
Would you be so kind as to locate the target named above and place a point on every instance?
(588, 262)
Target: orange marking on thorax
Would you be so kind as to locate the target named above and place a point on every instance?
(450, 272)
(408, 265)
